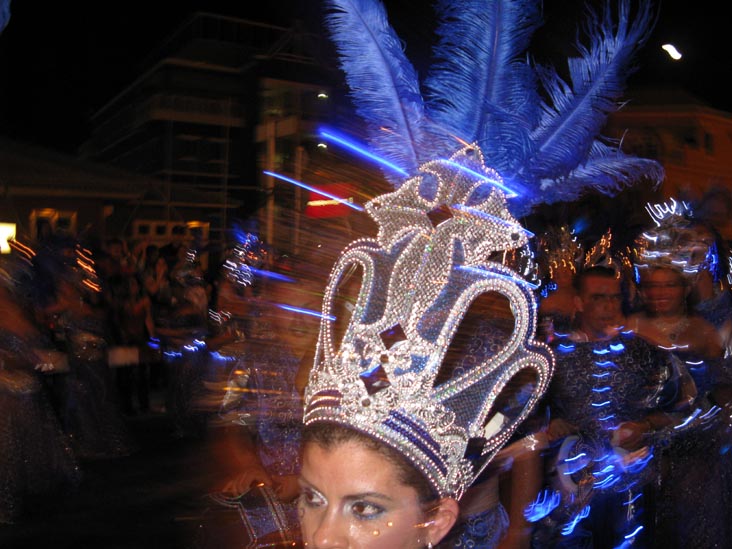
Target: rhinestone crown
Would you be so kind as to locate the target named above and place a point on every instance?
(439, 236)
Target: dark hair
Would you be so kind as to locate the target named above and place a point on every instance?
(330, 435)
(600, 271)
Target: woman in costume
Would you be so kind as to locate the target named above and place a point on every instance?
(456, 146)
(696, 480)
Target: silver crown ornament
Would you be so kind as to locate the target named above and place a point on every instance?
(441, 238)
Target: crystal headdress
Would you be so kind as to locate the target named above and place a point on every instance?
(420, 277)
(444, 232)
(676, 241)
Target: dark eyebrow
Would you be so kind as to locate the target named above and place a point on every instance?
(368, 495)
(350, 497)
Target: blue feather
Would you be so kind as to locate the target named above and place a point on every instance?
(480, 88)
(483, 89)
(606, 170)
(384, 85)
(577, 113)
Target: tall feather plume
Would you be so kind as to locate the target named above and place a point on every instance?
(565, 135)
(384, 85)
(480, 88)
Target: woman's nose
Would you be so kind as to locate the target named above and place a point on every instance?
(330, 532)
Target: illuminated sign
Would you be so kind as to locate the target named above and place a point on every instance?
(334, 202)
(7, 232)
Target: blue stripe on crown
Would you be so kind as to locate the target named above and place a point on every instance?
(416, 435)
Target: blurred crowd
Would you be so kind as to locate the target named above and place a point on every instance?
(633, 433)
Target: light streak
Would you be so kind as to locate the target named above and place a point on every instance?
(509, 192)
(634, 532)
(313, 189)
(350, 145)
(544, 504)
(309, 312)
(570, 526)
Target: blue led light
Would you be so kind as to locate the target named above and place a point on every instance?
(359, 149)
(313, 189)
(309, 312)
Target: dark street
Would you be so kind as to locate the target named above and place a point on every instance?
(148, 499)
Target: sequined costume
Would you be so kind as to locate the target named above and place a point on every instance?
(37, 459)
(90, 411)
(696, 481)
(479, 531)
(596, 386)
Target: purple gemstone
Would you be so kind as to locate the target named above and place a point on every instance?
(392, 336)
(439, 214)
(375, 379)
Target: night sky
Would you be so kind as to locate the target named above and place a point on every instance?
(61, 61)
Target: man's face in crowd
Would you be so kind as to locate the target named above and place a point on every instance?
(600, 304)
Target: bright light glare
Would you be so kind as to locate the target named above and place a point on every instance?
(672, 52)
(7, 232)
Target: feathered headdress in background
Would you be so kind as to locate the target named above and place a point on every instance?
(538, 131)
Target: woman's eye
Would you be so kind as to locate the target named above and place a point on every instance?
(366, 510)
(311, 498)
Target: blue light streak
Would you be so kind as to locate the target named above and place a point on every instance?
(509, 192)
(313, 189)
(309, 312)
(544, 504)
(273, 276)
(632, 500)
(218, 356)
(689, 419)
(570, 526)
(361, 150)
(640, 464)
(634, 532)
(606, 483)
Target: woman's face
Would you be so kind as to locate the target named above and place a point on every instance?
(353, 498)
(664, 291)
